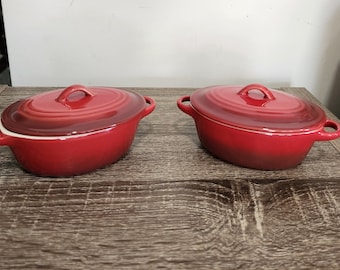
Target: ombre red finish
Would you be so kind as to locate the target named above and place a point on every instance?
(74, 110)
(67, 155)
(247, 133)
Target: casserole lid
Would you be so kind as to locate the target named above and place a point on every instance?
(256, 107)
(73, 110)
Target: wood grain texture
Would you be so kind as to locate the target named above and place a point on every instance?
(169, 204)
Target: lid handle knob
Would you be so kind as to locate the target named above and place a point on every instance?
(264, 90)
(68, 91)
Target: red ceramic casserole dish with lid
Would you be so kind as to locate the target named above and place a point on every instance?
(74, 130)
(257, 127)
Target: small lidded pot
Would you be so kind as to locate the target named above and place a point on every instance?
(74, 130)
(257, 127)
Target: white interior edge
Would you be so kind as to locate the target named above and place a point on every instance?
(23, 136)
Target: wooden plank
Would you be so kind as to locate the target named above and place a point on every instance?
(169, 204)
(184, 224)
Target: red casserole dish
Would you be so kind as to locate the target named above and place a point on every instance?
(74, 130)
(257, 127)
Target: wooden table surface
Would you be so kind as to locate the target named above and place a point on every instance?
(169, 204)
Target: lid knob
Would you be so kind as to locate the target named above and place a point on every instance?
(267, 95)
(63, 98)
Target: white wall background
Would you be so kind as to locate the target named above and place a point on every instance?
(174, 43)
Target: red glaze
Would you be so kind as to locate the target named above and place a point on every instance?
(258, 149)
(74, 154)
(255, 107)
(73, 110)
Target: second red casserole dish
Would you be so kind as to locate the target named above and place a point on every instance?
(257, 127)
